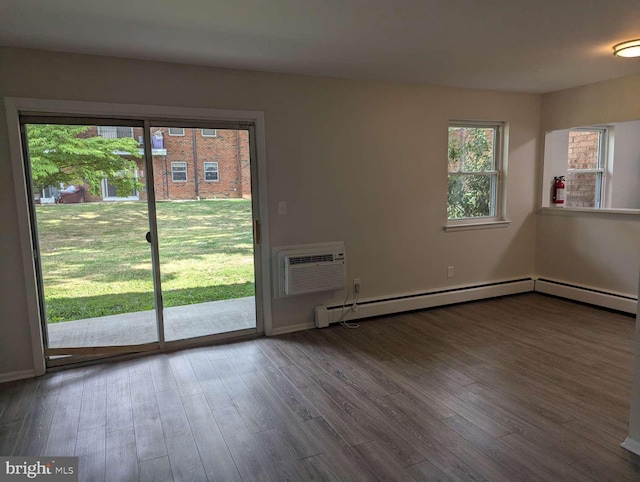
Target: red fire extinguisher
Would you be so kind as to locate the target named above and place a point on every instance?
(558, 190)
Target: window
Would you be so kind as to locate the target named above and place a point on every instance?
(179, 171)
(475, 163)
(111, 191)
(586, 167)
(209, 133)
(50, 192)
(211, 172)
(115, 132)
(176, 131)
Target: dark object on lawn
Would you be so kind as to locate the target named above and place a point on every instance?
(76, 196)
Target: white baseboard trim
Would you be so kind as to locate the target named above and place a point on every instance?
(292, 328)
(413, 302)
(631, 445)
(19, 375)
(585, 294)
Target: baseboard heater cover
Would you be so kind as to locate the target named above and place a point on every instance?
(585, 294)
(324, 316)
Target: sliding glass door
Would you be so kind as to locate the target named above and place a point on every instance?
(95, 269)
(202, 182)
(143, 233)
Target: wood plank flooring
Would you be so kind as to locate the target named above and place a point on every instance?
(526, 387)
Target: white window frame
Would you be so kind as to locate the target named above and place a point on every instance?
(215, 133)
(174, 170)
(215, 165)
(176, 128)
(497, 216)
(603, 162)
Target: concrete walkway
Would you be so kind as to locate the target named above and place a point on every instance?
(180, 322)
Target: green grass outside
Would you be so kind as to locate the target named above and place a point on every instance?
(96, 261)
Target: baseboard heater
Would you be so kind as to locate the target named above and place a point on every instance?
(585, 294)
(326, 315)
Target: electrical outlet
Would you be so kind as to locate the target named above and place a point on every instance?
(449, 271)
(356, 285)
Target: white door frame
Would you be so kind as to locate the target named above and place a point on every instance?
(16, 106)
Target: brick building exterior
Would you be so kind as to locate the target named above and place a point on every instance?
(584, 151)
(188, 164)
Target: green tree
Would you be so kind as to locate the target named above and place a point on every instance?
(66, 154)
(470, 150)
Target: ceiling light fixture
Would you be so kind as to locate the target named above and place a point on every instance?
(630, 48)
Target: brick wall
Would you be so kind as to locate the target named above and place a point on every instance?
(229, 148)
(583, 154)
(245, 156)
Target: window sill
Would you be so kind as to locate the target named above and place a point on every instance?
(473, 226)
(550, 211)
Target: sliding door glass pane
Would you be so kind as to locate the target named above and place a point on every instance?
(91, 218)
(202, 183)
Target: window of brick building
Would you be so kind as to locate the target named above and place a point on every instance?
(115, 132)
(179, 171)
(209, 133)
(176, 131)
(474, 172)
(586, 168)
(211, 172)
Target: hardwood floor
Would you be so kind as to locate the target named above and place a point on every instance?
(525, 387)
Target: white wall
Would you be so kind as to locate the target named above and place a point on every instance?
(362, 162)
(601, 250)
(625, 175)
(632, 443)
(556, 148)
(594, 250)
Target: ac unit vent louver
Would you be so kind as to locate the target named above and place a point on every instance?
(318, 258)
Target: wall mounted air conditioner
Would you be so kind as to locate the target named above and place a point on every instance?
(313, 269)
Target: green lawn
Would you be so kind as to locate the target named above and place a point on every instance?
(96, 261)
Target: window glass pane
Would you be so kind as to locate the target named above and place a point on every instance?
(455, 149)
(471, 148)
(115, 132)
(584, 149)
(176, 131)
(179, 171)
(470, 196)
(108, 132)
(112, 190)
(209, 132)
(210, 171)
(50, 192)
(582, 189)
